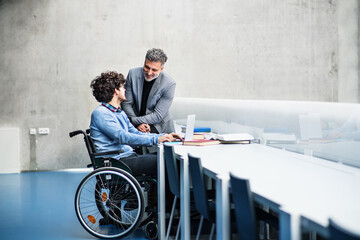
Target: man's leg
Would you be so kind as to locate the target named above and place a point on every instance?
(147, 164)
(142, 164)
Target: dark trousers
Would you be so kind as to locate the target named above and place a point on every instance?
(147, 164)
(142, 164)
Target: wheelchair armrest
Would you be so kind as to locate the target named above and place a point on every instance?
(107, 153)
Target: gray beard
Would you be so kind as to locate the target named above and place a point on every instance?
(149, 80)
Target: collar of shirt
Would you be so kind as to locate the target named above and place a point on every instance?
(111, 107)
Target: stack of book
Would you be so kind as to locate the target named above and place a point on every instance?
(198, 130)
(201, 142)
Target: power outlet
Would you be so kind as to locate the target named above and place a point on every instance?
(43, 131)
(32, 131)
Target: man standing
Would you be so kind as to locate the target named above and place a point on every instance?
(149, 94)
(111, 129)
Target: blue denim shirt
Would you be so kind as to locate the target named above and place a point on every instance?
(112, 130)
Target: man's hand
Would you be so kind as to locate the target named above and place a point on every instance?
(144, 128)
(169, 137)
(176, 136)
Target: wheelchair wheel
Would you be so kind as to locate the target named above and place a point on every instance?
(109, 203)
(151, 230)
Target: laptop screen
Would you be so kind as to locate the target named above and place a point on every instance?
(190, 124)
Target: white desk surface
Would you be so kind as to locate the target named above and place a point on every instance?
(314, 188)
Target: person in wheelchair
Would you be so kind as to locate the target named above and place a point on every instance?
(111, 129)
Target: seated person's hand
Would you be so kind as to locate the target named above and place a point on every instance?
(176, 136)
(169, 137)
(144, 128)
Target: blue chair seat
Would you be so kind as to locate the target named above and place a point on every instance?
(339, 233)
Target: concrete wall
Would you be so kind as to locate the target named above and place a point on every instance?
(247, 49)
(348, 59)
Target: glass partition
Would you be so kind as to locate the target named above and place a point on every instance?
(329, 131)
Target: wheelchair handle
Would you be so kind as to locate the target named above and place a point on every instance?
(74, 133)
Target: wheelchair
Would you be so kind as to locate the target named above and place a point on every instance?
(110, 202)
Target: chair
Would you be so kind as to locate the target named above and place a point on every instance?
(338, 233)
(202, 203)
(246, 214)
(174, 183)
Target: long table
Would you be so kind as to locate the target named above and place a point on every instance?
(293, 185)
(343, 151)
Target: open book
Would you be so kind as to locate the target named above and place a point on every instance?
(234, 138)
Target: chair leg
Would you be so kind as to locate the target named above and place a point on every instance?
(312, 236)
(267, 231)
(171, 218)
(262, 231)
(178, 230)
(200, 226)
(212, 231)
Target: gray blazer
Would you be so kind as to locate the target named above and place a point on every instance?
(158, 104)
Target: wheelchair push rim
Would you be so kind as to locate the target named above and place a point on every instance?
(109, 203)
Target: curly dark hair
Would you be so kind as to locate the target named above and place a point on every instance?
(103, 86)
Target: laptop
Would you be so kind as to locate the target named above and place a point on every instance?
(310, 126)
(190, 124)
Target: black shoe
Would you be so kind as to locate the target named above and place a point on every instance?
(103, 222)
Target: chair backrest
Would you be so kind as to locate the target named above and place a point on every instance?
(199, 188)
(172, 170)
(89, 143)
(90, 147)
(244, 208)
(336, 232)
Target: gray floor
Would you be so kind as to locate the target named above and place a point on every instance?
(40, 205)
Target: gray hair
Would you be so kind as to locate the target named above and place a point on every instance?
(156, 55)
